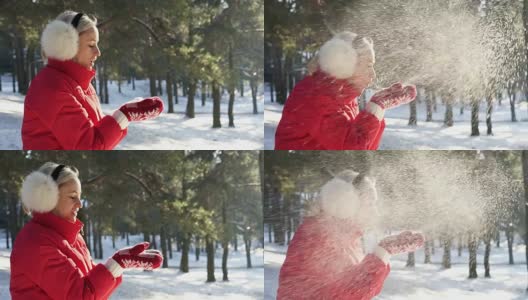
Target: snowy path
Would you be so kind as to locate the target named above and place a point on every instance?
(434, 135)
(168, 132)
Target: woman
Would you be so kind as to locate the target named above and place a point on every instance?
(50, 259)
(325, 259)
(322, 111)
(61, 109)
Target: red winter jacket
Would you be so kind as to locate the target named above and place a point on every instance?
(51, 261)
(325, 261)
(322, 113)
(62, 111)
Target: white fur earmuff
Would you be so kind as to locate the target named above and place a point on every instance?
(39, 193)
(60, 40)
(338, 58)
(340, 199)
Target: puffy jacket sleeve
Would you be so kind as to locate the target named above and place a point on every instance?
(59, 278)
(74, 130)
(359, 282)
(337, 130)
(305, 273)
(375, 144)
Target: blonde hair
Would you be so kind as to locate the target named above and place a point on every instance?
(66, 175)
(85, 23)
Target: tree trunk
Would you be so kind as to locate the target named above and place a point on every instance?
(101, 82)
(489, 110)
(197, 248)
(475, 117)
(191, 92)
(231, 106)
(509, 238)
(487, 251)
(184, 260)
(472, 247)
(175, 86)
(429, 105)
(272, 94)
(152, 85)
(446, 258)
(133, 83)
(216, 106)
(163, 245)
(278, 76)
(254, 86)
(410, 260)
(210, 249)
(106, 96)
(169, 244)
(525, 182)
(448, 118)
(119, 85)
(241, 86)
(20, 65)
(99, 243)
(203, 90)
(427, 253)
(160, 89)
(168, 83)
(231, 90)
(412, 118)
(225, 247)
(460, 246)
(512, 106)
(247, 245)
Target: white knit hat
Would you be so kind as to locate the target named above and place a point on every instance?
(338, 57)
(39, 193)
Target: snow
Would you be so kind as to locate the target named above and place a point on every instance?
(431, 281)
(170, 283)
(434, 135)
(167, 132)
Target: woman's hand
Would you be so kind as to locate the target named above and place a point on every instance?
(138, 110)
(134, 257)
(391, 97)
(404, 242)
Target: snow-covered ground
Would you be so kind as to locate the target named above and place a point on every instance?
(431, 281)
(168, 131)
(434, 135)
(162, 284)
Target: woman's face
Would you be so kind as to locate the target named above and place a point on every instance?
(88, 50)
(69, 200)
(365, 73)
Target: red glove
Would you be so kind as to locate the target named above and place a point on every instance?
(391, 97)
(148, 108)
(402, 243)
(134, 257)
